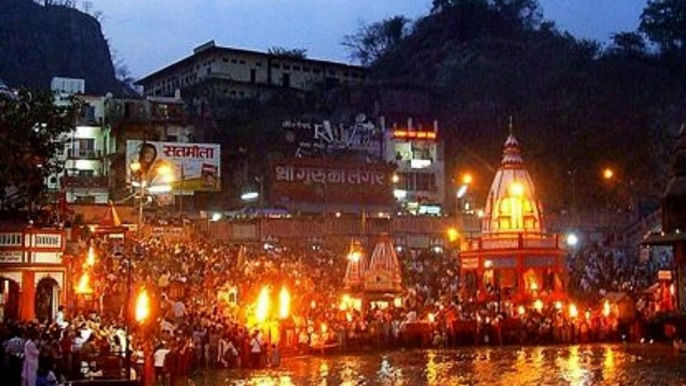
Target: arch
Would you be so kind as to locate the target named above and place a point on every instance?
(9, 301)
(47, 299)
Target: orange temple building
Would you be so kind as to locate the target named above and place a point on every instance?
(33, 276)
(513, 260)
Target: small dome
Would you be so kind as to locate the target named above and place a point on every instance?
(512, 204)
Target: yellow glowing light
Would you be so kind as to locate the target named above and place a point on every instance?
(398, 302)
(606, 309)
(672, 289)
(324, 328)
(313, 304)
(608, 173)
(135, 166)
(538, 305)
(345, 301)
(521, 310)
(588, 315)
(354, 256)
(432, 317)
(534, 286)
(558, 305)
(467, 178)
(142, 306)
(164, 170)
(262, 310)
(348, 317)
(517, 189)
(488, 264)
(573, 312)
(90, 258)
(284, 303)
(395, 179)
(453, 234)
(84, 286)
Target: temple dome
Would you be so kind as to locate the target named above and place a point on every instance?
(512, 205)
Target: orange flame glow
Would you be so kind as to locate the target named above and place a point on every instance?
(284, 303)
(84, 286)
(142, 306)
(262, 310)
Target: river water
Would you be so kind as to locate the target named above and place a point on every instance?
(627, 365)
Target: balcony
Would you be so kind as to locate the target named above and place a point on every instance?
(84, 154)
(98, 182)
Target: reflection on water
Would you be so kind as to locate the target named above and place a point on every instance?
(508, 366)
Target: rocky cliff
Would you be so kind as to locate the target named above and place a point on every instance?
(39, 42)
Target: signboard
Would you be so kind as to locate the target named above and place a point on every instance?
(326, 138)
(664, 275)
(11, 256)
(332, 181)
(196, 166)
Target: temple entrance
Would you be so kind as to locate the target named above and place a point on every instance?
(47, 299)
(9, 299)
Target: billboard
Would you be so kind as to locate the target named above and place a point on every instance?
(196, 166)
(332, 181)
(318, 139)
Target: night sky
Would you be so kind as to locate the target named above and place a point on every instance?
(148, 35)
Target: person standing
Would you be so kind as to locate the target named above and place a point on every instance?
(31, 353)
(14, 350)
(255, 351)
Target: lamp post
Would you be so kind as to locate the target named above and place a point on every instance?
(147, 180)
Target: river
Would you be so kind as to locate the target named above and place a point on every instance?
(626, 365)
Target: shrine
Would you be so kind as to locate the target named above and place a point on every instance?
(33, 275)
(514, 260)
(374, 282)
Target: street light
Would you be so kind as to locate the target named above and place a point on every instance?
(608, 173)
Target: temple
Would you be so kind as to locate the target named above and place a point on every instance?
(514, 260)
(373, 282)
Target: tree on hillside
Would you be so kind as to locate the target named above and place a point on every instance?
(371, 41)
(629, 44)
(30, 128)
(664, 22)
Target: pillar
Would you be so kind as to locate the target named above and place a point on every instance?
(28, 295)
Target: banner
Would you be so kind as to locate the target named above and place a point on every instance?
(196, 166)
(332, 181)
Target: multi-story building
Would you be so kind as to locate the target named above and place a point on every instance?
(417, 152)
(85, 149)
(243, 73)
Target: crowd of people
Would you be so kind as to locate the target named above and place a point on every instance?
(204, 306)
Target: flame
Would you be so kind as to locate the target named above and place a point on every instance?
(84, 286)
(284, 303)
(262, 311)
(606, 309)
(90, 258)
(573, 312)
(142, 306)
